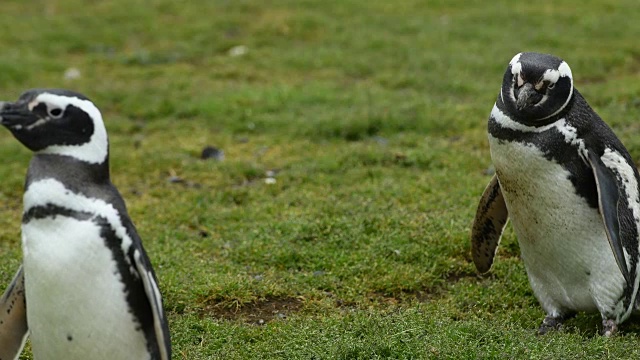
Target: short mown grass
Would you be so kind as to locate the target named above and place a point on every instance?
(369, 115)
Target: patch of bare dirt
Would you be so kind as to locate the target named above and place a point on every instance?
(261, 311)
(258, 312)
(405, 296)
(455, 276)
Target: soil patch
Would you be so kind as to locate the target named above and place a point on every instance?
(258, 312)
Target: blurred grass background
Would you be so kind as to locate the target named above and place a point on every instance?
(371, 118)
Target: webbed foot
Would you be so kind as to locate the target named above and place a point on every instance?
(609, 327)
(552, 323)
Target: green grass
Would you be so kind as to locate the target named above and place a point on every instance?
(373, 115)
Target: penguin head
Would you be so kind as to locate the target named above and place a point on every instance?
(56, 121)
(536, 88)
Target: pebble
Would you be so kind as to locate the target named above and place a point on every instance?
(211, 152)
(175, 179)
(72, 74)
(238, 50)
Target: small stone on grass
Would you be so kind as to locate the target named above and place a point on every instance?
(211, 152)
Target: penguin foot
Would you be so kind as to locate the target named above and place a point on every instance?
(552, 323)
(609, 327)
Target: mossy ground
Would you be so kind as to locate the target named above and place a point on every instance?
(371, 118)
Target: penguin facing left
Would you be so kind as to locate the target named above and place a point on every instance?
(91, 292)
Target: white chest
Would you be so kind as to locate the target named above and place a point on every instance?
(75, 301)
(562, 240)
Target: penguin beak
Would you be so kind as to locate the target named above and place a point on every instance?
(526, 96)
(14, 115)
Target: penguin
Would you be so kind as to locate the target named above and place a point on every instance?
(570, 189)
(90, 289)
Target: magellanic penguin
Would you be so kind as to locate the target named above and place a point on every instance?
(571, 191)
(91, 292)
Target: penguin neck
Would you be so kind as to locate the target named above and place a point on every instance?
(579, 101)
(71, 171)
(94, 151)
(549, 120)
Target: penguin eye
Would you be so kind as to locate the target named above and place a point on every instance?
(55, 113)
(551, 86)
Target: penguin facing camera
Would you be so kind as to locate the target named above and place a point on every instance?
(571, 191)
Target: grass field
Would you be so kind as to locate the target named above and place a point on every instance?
(370, 116)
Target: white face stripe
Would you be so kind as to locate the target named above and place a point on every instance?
(516, 66)
(515, 69)
(565, 71)
(96, 150)
(543, 100)
(565, 103)
(550, 75)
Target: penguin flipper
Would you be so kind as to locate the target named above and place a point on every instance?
(488, 225)
(609, 188)
(13, 318)
(143, 266)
